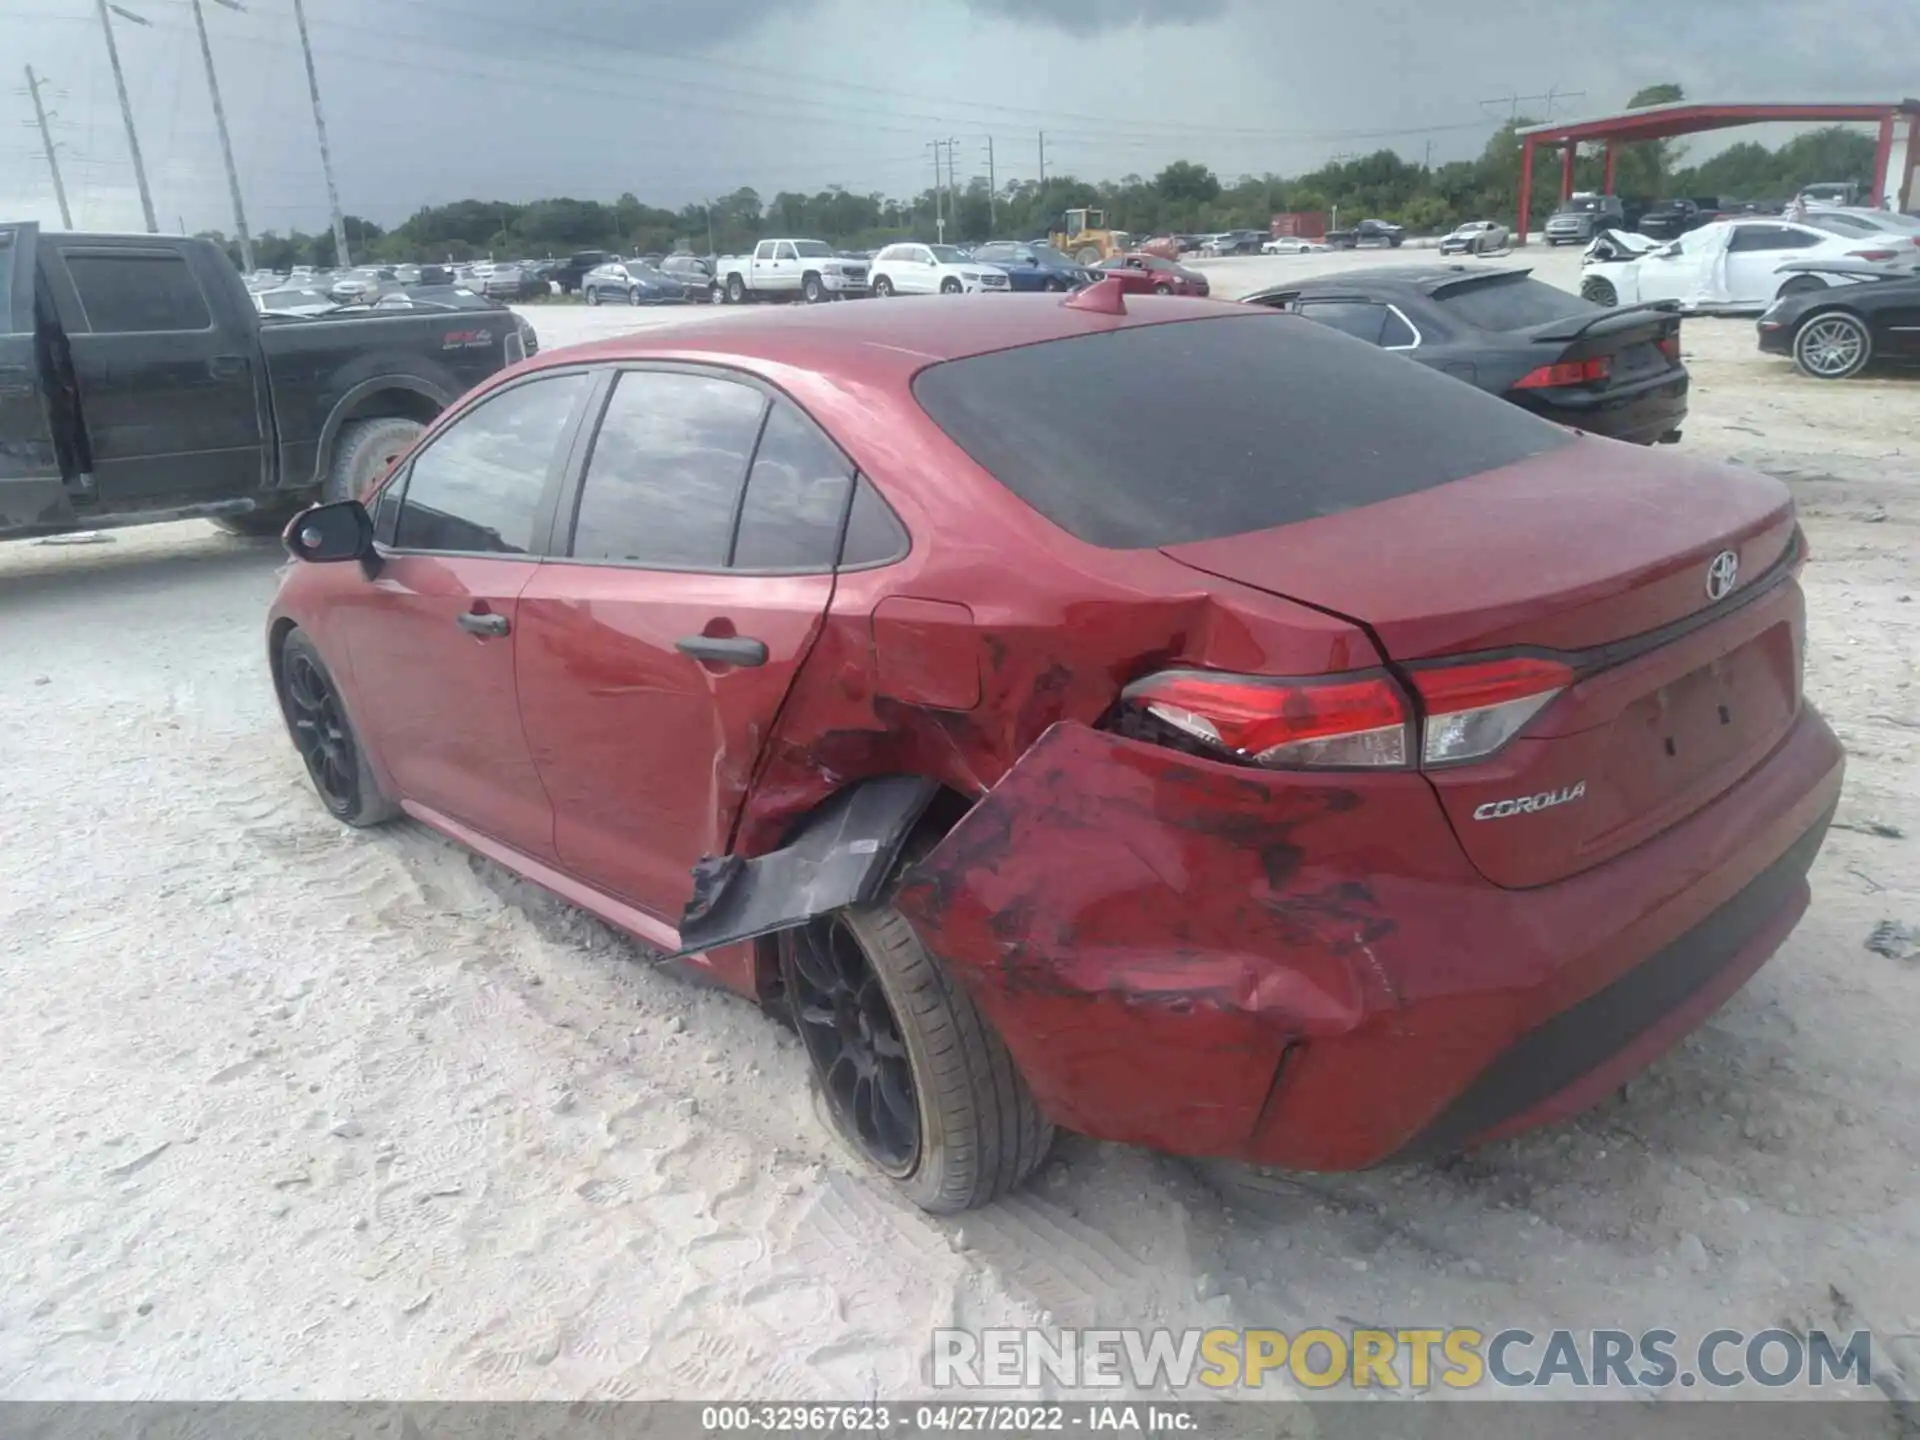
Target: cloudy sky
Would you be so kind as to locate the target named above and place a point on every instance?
(676, 100)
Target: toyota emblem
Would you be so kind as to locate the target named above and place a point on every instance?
(1723, 573)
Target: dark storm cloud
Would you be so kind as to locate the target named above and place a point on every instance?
(1085, 17)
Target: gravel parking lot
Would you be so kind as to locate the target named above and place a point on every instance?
(294, 1111)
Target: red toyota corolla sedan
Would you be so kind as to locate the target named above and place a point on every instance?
(1174, 721)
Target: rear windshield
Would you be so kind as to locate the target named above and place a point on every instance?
(1190, 430)
(1511, 304)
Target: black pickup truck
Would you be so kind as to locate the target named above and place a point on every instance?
(139, 383)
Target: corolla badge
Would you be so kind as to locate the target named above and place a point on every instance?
(1531, 804)
(1723, 573)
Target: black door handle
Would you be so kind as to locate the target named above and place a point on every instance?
(227, 367)
(475, 623)
(723, 649)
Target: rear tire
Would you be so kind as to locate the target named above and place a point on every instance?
(976, 1131)
(633, 296)
(1600, 292)
(1832, 345)
(882, 286)
(362, 451)
(325, 737)
(736, 290)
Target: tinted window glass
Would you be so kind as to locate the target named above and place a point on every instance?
(1511, 304)
(795, 497)
(477, 487)
(666, 469)
(1357, 318)
(125, 294)
(874, 533)
(1758, 237)
(1396, 331)
(1275, 420)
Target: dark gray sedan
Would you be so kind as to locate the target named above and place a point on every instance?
(631, 281)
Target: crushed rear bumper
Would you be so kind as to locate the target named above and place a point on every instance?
(1304, 970)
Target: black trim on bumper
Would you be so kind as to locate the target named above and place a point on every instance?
(1580, 1039)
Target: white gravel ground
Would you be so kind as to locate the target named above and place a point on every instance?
(296, 1111)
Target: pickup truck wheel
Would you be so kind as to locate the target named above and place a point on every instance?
(811, 289)
(362, 451)
(736, 290)
(909, 1073)
(322, 732)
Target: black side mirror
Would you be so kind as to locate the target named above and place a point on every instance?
(328, 534)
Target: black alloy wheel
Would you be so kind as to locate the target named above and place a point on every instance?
(320, 731)
(855, 1044)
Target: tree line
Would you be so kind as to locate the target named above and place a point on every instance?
(1185, 197)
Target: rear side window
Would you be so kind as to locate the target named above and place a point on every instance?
(137, 294)
(1190, 430)
(1361, 319)
(666, 469)
(796, 495)
(1511, 304)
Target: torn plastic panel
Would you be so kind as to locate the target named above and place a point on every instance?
(1149, 933)
(841, 857)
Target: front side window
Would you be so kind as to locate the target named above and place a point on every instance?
(477, 488)
(664, 475)
(138, 294)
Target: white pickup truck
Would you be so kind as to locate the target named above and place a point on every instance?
(785, 269)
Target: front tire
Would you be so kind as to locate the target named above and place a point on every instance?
(811, 289)
(591, 295)
(1600, 292)
(633, 296)
(325, 737)
(1163, 289)
(1088, 255)
(1832, 345)
(911, 1076)
(950, 286)
(362, 452)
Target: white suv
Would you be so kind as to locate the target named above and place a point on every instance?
(912, 269)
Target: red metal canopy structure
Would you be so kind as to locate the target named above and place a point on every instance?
(1894, 162)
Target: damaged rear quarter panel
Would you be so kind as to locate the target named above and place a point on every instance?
(1148, 932)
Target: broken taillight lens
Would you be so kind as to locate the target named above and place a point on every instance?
(1358, 720)
(1474, 708)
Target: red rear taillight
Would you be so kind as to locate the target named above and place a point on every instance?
(1875, 254)
(1670, 347)
(1330, 721)
(1567, 372)
(1475, 708)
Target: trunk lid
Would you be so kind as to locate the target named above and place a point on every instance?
(1628, 341)
(1597, 551)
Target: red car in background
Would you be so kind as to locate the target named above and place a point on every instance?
(1192, 726)
(1141, 271)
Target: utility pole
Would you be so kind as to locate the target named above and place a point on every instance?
(1043, 166)
(939, 225)
(953, 190)
(46, 141)
(1553, 91)
(991, 216)
(320, 125)
(126, 114)
(226, 141)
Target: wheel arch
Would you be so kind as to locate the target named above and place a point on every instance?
(848, 848)
(382, 397)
